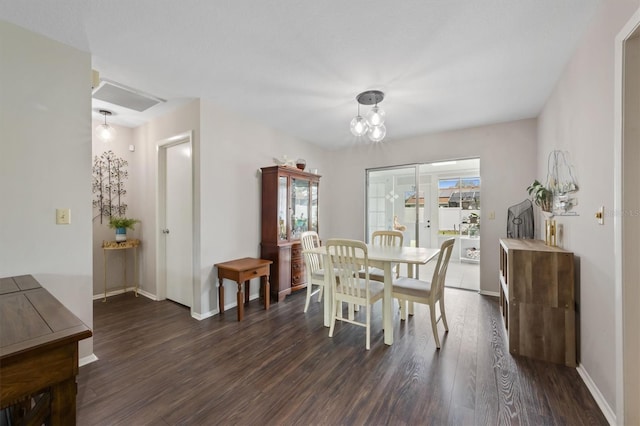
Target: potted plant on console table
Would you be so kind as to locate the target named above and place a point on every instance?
(121, 224)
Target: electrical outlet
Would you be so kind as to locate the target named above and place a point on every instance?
(492, 215)
(63, 216)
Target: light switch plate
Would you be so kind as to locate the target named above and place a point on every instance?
(63, 216)
(600, 215)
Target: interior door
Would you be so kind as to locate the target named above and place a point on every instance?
(178, 230)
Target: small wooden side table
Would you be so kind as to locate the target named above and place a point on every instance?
(123, 245)
(243, 270)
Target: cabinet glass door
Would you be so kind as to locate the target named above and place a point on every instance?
(314, 206)
(282, 208)
(299, 207)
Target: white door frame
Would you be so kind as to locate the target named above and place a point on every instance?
(630, 27)
(161, 277)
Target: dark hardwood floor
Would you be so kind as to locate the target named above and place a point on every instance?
(159, 366)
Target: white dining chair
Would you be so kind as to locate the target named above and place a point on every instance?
(425, 292)
(344, 259)
(385, 238)
(313, 266)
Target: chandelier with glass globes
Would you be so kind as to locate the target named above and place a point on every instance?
(373, 123)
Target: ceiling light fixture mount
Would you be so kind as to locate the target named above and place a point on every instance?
(105, 132)
(373, 123)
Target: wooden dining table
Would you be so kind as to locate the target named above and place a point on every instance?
(383, 257)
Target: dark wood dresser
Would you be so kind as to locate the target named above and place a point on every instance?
(38, 354)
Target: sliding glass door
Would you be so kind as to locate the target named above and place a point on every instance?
(391, 201)
(430, 203)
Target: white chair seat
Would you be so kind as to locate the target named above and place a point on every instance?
(412, 287)
(318, 274)
(376, 288)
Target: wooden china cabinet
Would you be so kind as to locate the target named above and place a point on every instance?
(289, 207)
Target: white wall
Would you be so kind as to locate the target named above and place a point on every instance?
(578, 118)
(228, 150)
(507, 155)
(232, 150)
(101, 231)
(45, 163)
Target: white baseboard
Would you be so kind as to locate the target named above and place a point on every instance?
(148, 295)
(87, 359)
(200, 317)
(231, 305)
(129, 289)
(489, 293)
(595, 392)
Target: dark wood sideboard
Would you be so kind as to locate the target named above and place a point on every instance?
(38, 354)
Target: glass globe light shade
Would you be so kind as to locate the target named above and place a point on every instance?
(105, 132)
(359, 126)
(375, 117)
(377, 133)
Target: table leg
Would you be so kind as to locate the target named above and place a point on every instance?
(135, 269)
(410, 303)
(221, 296)
(124, 258)
(247, 287)
(266, 293)
(240, 300)
(105, 275)
(387, 303)
(63, 402)
(328, 297)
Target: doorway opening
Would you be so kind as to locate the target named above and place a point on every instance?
(430, 203)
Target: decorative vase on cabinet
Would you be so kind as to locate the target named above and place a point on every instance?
(289, 207)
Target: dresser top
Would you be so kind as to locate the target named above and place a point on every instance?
(527, 244)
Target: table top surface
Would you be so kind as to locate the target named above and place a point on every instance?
(31, 318)
(246, 263)
(412, 255)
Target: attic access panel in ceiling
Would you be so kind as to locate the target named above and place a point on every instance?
(124, 96)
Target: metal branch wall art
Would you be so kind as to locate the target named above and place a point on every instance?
(109, 174)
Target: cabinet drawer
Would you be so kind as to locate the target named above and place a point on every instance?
(296, 251)
(297, 278)
(253, 273)
(297, 266)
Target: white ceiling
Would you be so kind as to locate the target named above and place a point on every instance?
(297, 65)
